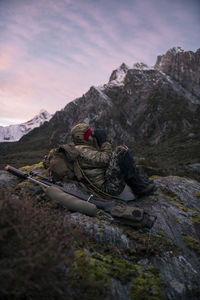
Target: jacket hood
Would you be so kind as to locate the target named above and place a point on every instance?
(78, 132)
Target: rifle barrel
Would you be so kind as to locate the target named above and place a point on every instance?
(39, 182)
(16, 172)
(33, 173)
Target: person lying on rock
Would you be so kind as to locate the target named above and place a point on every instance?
(106, 169)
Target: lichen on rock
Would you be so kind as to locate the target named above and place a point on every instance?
(117, 261)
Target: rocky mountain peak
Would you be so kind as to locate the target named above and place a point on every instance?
(175, 50)
(40, 118)
(182, 66)
(44, 113)
(124, 67)
(118, 75)
(140, 66)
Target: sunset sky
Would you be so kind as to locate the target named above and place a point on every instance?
(52, 51)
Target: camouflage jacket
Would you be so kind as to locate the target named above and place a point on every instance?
(94, 161)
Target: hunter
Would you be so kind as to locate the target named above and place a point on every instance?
(106, 169)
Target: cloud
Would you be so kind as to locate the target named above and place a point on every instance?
(52, 51)
(6, 58)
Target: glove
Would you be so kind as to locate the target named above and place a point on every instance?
(100, 136)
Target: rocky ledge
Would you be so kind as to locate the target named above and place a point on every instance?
(127, 263)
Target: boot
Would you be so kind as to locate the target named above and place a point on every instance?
(141, 189)
(139, 185)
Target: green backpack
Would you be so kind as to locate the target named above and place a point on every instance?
(61, 163)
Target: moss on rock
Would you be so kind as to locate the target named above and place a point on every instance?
(39, 167)
(161, 233)
(193, 244)
(147, 285)
(171, 195)
(89, 276)
(148, 245)
(177, 202)
(195, 218)
(122, 270)
(32, 167)
(91, 273)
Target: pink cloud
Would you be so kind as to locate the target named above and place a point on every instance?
(53, 51)
(8, 56)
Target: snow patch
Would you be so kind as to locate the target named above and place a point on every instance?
(13, 133)
(179, 88)
(142, 66)
(101, 89)
(176, 50)
(118, 76)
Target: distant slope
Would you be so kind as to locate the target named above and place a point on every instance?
(13, 133)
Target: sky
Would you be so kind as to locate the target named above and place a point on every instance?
(53, 51)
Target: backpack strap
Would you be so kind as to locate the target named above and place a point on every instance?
(70, 151)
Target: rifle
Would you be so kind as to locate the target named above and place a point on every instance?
(45, 182)
(77, 201)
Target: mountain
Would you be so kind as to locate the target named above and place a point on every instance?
(13, 133)
(182, 66)
(152, 112)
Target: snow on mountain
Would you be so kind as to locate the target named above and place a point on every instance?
(150, 76)
(13, 133)
(176, 50)
(118, 75)
(183, 67)
(141, 66)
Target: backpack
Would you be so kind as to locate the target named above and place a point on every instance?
(61, 163)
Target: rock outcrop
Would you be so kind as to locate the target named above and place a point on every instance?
(182, 66)
(162, 263)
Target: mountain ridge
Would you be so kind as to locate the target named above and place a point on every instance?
(13, 133)
(141, 107)
(158, 119)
